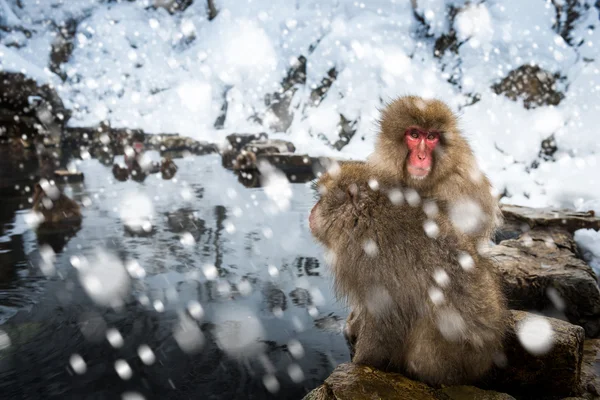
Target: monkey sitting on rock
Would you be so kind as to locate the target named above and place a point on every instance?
(423, 302)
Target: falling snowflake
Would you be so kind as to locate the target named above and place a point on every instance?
(105, 279)
(188, 335)
(123, 369)
(137, 212)
(146, 354)
(370, 248)
(536, 335)
(276, 186)
(78, 364)
(467, 216)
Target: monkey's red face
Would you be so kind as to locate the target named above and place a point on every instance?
(421, 144)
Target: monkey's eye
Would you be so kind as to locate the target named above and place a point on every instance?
(433, 136)
(414, 133)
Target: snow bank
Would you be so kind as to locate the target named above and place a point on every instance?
(588, 241)
(142, 67)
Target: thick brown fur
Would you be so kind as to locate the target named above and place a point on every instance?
(455, 174)
(395, 324)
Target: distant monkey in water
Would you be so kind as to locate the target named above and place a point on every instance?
(423, 302)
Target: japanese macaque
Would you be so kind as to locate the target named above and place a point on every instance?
(138, 168)
(420, 304)
(168, 169)
(421, 145)
(55, 206)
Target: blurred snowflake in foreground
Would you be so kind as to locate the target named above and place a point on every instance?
(137, 212)
(105, 279)
(536, 335)
(276, 186)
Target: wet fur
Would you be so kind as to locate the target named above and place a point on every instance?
(402, 333)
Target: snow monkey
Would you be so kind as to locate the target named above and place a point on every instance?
(422, 302)
(421, 145)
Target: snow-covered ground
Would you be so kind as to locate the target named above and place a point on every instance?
(139, 66)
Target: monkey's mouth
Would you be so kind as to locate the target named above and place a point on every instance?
(418, 173)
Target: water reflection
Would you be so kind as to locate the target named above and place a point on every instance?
(219, 267)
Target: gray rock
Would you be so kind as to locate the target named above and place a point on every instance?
(540, 269)
(546, 217)
(555, 373)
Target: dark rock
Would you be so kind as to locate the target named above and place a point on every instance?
(548, 148)
(278, 115)
(22, 128)
(555, 373)
(270, 146)
(318, 94)
(62, 46)
(290, 163)
(346, 129)
(446, 42)
(212, 10)
(101, 136)
(510, 230)
(546, 217)
(220, 121)
(248, 157)
(173, 6)
(104, 138)
(66, 176)
(237, 141)
(169, 144)
(567, 14)
(25, 104)
(540, 270)
(535, 86)
(296, 74)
